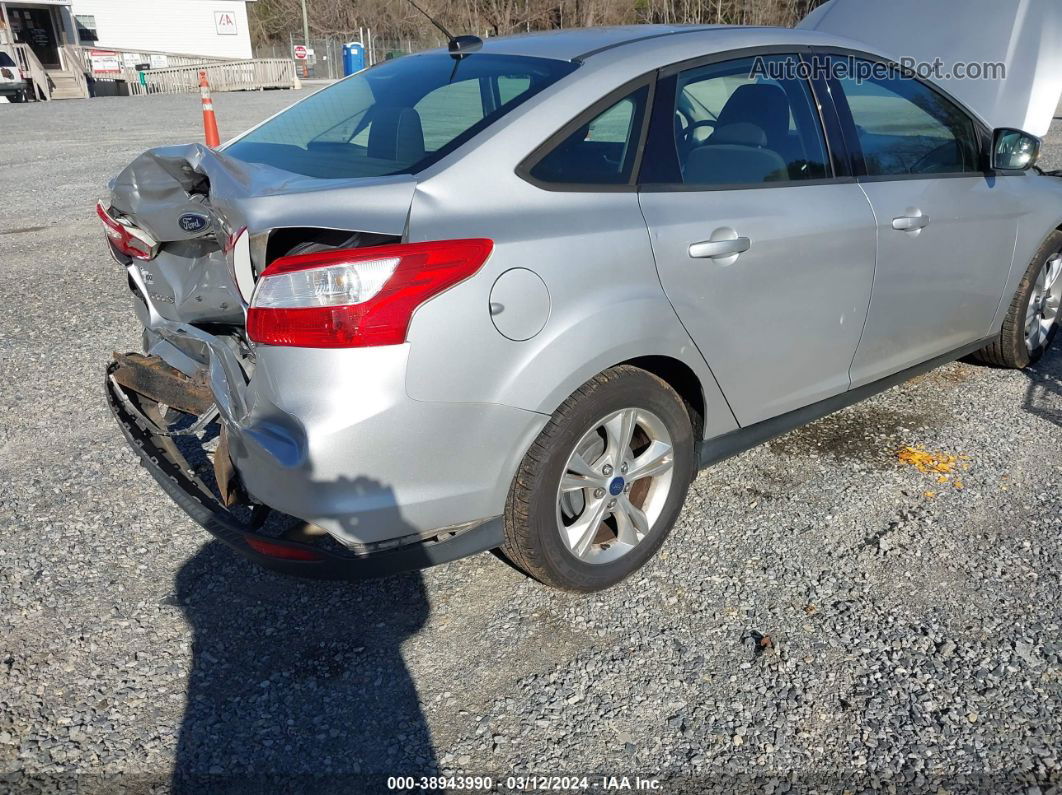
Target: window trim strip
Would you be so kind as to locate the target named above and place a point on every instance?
(793, 51)
(523, 170)
(855, 149)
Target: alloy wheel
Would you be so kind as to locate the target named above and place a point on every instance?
(1044, 303)
(615, 485)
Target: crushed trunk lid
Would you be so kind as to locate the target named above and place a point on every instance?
(213, 216)
(1024, 35)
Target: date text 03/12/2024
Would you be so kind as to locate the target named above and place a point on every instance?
(523, 783)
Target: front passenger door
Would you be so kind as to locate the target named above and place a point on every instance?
(766, 256)
(946, 229)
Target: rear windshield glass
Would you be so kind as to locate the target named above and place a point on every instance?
(5, 59)
(398, 117)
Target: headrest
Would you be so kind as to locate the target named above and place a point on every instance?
(396, 134)
(742, 133)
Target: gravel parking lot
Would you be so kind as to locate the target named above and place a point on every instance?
(825, 614)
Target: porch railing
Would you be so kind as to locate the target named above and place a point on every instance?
(34, 71)
(75, 63)
(129, 57)
(250, 75)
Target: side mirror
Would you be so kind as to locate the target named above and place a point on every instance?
(1014, 150)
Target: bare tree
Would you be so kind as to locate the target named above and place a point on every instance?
(274, 20)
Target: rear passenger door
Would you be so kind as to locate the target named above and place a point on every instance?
(946, 228)
(764, 245)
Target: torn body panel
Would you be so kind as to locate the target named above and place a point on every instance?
(300, 554)
(310, 435)
(215, 216)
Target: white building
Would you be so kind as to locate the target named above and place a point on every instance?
(215, 28)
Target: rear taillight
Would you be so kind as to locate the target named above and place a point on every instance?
(351, 298)
(127, 239)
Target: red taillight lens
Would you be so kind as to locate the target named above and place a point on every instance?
(352, 298)
(128, 240)
(280, 550)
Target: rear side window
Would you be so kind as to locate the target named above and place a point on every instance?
(904, 127)
(600, 151)
(741, 122)
(398, 117)
(5, 59)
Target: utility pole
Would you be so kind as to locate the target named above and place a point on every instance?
(305, 25)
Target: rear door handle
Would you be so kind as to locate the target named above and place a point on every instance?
(910, 223)
(714, 249)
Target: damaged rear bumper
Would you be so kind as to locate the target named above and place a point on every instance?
(330, 438)
(177, 478)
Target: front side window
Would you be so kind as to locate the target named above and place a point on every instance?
(742, 122)
(600, 151)
(904, 127)
(397, 117)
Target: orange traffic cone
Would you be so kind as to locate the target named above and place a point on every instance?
(210, 122)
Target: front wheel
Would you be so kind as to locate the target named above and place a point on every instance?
(1032, 318)
(602, 486)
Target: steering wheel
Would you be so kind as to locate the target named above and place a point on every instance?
(695, 125)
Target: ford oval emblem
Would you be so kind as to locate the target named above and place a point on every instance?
(193, 222)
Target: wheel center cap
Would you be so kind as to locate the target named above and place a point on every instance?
(615, 488)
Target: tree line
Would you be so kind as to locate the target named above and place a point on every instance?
(274, 20)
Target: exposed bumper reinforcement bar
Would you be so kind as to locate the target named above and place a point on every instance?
(161, 458)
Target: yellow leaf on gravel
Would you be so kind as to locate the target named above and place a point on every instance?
(925, 461)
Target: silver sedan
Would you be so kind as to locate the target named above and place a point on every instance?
(514, 295)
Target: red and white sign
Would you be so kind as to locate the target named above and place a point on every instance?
(301, 53)
(225, 23)
(105, 62)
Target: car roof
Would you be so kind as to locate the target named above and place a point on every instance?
(576, 43)
(580, 44)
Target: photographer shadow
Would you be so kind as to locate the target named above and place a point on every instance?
(296, 684)
(1043, 396)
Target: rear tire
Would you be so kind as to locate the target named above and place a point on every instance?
(1015, 348)
(602, 486)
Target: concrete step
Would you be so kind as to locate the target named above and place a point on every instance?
(68, 93)
(65, 86)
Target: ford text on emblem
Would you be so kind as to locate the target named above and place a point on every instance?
(193, 222)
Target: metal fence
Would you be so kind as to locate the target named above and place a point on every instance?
(327, 60)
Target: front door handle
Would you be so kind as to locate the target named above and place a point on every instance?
(911, 222)
(715, 249)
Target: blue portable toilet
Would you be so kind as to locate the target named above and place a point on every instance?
(353, 57)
